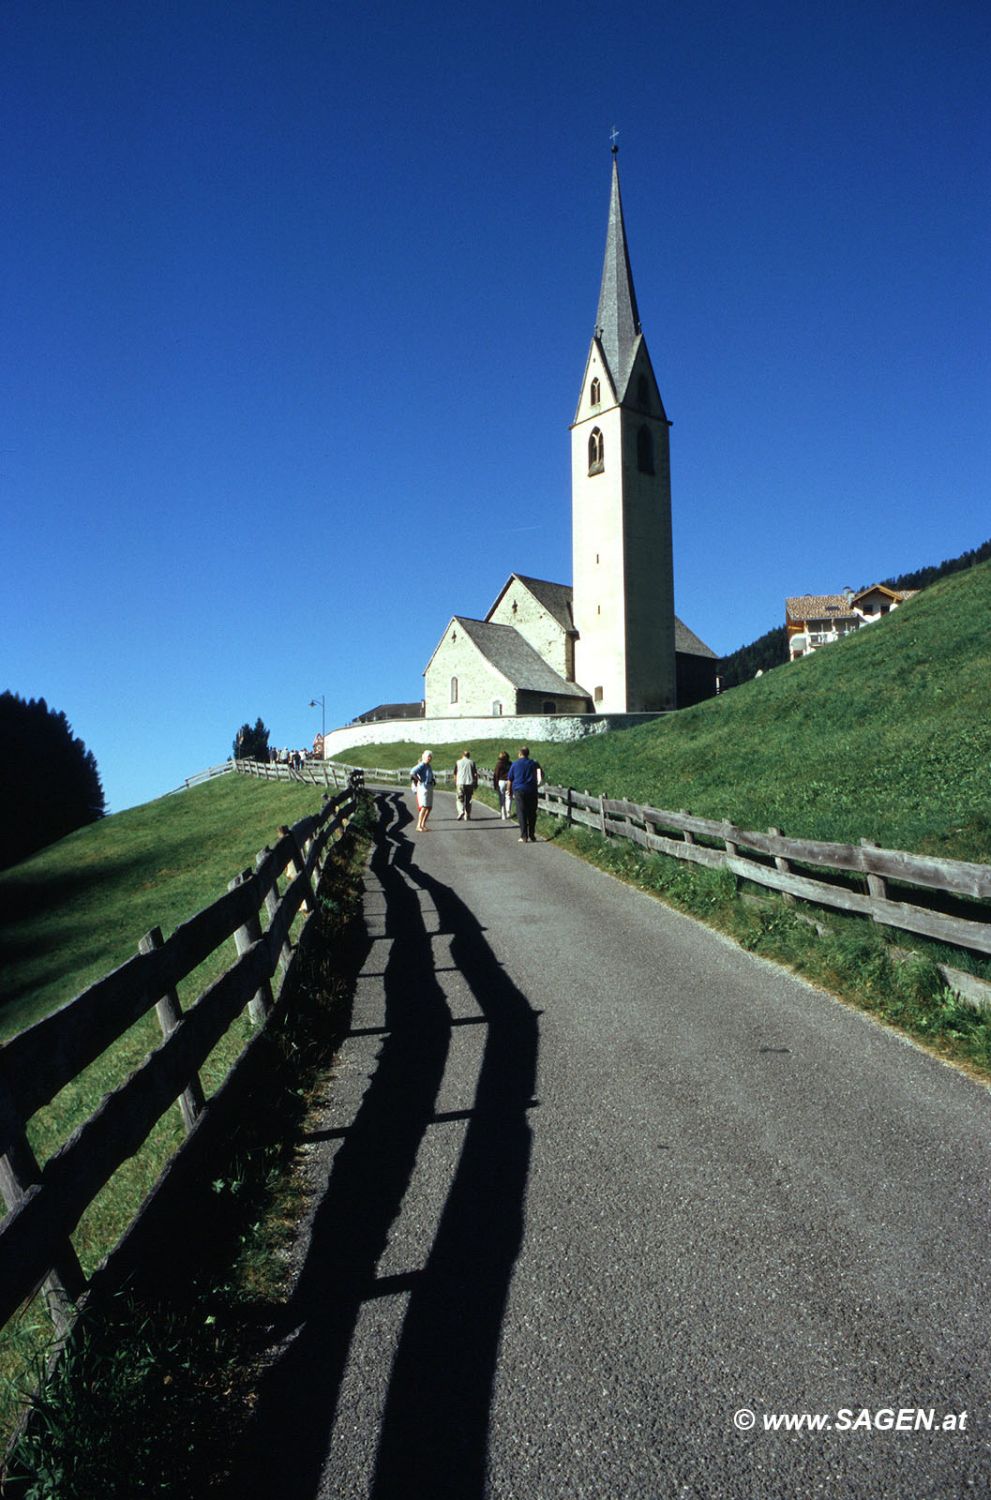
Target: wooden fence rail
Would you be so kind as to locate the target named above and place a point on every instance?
(677, 834)
(44, 1205)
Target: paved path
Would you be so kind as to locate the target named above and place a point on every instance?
(596, 1181)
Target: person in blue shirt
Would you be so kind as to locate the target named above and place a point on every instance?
(525, 776)
(422, 779)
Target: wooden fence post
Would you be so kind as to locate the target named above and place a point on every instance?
(877, 887)
(569, 809)
(686, 833)
(261, 1001)
(192, 1102)
(784, 866)
(602, 814)
(272, 907)
(19, 1171)
(297, 863)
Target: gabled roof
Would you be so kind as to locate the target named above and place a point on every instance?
(819, 607)
(557, 599)
(687, 642)
(617, 322)
(506, 650)
(554, 597)
(838, 606)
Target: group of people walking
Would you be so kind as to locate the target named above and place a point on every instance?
(512, 781)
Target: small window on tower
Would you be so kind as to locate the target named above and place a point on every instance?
(454, 690)
(598, 695)
(595, 452)
(595, 392)
(515, 606)
(645, 451)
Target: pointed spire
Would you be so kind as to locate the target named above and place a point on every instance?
(617, 320)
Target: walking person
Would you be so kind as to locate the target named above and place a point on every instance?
(421, 780)
(466, 780)
(525, 776)
(500, 783)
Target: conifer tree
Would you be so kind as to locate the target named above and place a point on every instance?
(53, 784)
(251, 743)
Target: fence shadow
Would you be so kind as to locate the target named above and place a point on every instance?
(433, 1439)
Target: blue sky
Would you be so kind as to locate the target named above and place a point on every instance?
(295, 299)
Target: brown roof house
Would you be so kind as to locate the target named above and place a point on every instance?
(815, 620)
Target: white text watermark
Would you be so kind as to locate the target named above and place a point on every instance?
(853, 1419)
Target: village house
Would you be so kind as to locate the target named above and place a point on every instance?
(814, 620)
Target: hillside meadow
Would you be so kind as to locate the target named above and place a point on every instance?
(885, 735)
(75, 911)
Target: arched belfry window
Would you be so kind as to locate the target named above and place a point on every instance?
(645, 450)
(454, 690)
(595, 452)
(595, 392)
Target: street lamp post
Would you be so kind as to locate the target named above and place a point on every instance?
(321, 703)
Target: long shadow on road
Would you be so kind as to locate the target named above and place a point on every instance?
(433, 1439)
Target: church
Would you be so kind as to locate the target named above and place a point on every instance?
(611, 643)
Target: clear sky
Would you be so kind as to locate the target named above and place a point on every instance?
(295, 299)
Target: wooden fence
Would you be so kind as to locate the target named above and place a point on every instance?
(45, 1205)
(771, 858)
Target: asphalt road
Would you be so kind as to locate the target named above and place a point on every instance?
(594, 1182)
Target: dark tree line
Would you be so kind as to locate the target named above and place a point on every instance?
(771, 650)
(251, 743)
(767, 651)
(53, 784)
(923, 577)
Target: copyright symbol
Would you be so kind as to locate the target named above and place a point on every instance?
(744, 1419)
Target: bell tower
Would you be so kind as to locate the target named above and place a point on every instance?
(621, 504)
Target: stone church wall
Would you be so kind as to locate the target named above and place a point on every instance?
(536, 625)
(479, 685)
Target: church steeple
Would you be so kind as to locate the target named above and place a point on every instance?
(623, 600)
(617, 322)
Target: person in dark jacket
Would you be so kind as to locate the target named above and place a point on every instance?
(500, 784)
(525, 776)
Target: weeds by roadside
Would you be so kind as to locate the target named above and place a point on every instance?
(848, 956)
(156, 1383)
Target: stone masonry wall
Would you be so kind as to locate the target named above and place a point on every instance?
(479, 685)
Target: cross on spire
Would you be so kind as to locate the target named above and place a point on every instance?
(612, 136)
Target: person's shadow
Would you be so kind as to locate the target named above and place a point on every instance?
(433, 1440)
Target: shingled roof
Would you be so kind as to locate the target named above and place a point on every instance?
(554, 597)
(819, 607)
(803, 607)
(515, 658)
(688, 642)
(618, 319)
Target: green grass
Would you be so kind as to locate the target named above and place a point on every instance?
(75, 911)
(885, 735)
(157, 1382)
(850, 957)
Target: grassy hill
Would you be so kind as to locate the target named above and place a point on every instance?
(75, 910)
(885, 735)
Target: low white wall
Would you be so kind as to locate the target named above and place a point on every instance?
(515, 729)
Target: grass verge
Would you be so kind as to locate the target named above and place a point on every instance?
(846, 955)
(72, 913)
(156, 1384)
